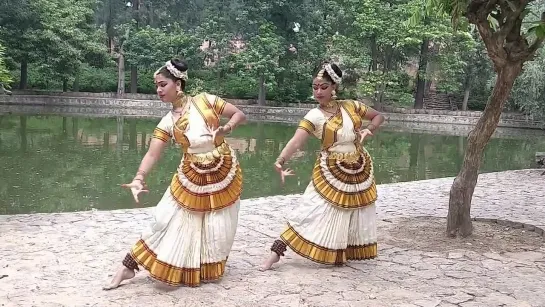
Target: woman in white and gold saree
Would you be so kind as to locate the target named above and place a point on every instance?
(335, 220)
(195, 222)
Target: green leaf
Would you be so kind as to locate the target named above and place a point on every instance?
(540, 31)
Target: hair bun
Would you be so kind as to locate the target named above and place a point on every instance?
(180, 65)
(337, 70)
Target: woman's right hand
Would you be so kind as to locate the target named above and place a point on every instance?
(283, 172)
(136, 187)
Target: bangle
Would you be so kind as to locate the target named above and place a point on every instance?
(231, 126)
(141, 180)
(141, 172)
(280, 160)
(371, 127)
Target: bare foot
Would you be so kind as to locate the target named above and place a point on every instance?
(123, 273)
(274, 258)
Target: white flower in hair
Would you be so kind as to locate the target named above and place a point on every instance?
(175, 71)
(332, 74)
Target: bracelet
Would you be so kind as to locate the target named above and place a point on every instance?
(280, 160)
(231, 126)
(141, 180)
(371, 129)
(141, 172)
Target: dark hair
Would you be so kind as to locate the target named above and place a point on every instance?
(336, 69)
(180, 65)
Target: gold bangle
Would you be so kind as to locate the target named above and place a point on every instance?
(231, 126)
(141, 180)
(280, 160)
(371, 129)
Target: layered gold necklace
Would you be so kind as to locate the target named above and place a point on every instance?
(180, 102)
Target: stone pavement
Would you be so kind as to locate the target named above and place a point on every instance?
(64, 259)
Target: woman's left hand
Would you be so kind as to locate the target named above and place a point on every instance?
(364, 133)
(219, 132)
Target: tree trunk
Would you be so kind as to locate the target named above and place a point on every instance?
(467, 86)
(134, 79)
(461, 192)
(120, 74)
(75, 86)
(466, 99)
(134, 68)
(261, 97)
(65, 85)
(24, 75)
(421, 77)
(374, 53)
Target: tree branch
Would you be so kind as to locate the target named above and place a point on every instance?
(513, 18)
(490, 5)
(535, 46)
(530, 51)
(495, 49)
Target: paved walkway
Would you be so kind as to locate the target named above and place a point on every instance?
(64, 259)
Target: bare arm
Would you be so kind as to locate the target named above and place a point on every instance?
(375, 117)
(153, 155)
(235, 115)
(297, 141)
(227, 110)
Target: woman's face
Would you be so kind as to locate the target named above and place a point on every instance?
(321, 89)
(167, 89)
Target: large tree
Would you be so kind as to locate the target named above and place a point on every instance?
(509, 46)
(5, 77)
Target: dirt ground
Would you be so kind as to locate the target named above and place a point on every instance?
(429, 234)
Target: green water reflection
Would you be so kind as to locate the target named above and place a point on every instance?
(57, 164)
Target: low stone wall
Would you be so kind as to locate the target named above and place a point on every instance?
(130, 96)
(292, 115)
(389, 109)
(82, 94)
(144, 108)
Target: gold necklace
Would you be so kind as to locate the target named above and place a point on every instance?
(181, 100)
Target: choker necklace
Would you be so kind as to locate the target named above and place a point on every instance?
(180, 101)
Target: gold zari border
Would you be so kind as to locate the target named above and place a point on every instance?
(205, 202)
(340, 198)
(307, 125)
(161, 134)
(324, 255)
(173, 275)
(362, 252)
(310, 250)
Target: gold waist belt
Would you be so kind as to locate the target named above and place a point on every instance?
(349, 157)
(208, 157)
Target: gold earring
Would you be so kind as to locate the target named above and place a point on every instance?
(333, 94)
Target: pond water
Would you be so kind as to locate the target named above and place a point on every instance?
(60, 164)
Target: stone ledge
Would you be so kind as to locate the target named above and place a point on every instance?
(262, 113)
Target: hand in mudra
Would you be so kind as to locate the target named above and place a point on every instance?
(364, 133)
(136, 187)
(218, 132)
(283, 172)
